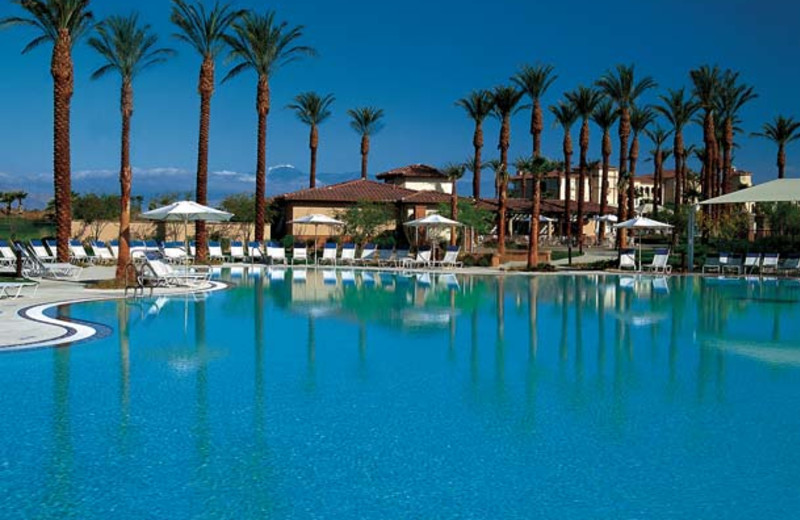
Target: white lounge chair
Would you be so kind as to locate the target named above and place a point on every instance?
(384, 256)
(660, 262)
(329, 253)
(77, 253)
(254, 252)
(215, 251)
(450, 258)
(348, 255)
(300, 253)
(113, 246)
(13, 290)
(174, 253)
(790, 265)
(423, 259)
(367, 254)
(157, 272)
(41, 252)
(237, 251)
(627, 259)
(276, 253)
(769, 264)
(752, 261)
(400, 256)
(7, 256)
(100, 252)
(33, 267)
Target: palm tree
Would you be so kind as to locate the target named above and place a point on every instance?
(454, 171)
(535, 167)
(128, 49)
(262, 44)
(366, 121)
(781, 131)
(312, 109)
(641, 118)
(678, 110)
(604, 116)
(622, 87)
(505, 100)
(731, 97)
(584, 100)
(658, 136)
(62, 23)
(534, 82)
(20, 196)
(706, 84)
(478, 105)
(566, 116)
(204, 31)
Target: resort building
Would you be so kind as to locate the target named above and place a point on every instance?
(554, 185)
(418, 177)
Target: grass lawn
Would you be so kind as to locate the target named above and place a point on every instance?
(24, 229)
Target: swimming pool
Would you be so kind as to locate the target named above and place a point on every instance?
(340, 394)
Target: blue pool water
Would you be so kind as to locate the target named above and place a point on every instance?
(320, 396)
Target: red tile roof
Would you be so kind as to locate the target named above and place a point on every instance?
(427, 197)
(415, 171)
(350, 191)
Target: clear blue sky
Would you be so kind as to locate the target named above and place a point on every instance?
(413, 59)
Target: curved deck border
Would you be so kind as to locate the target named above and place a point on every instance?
(72, 331)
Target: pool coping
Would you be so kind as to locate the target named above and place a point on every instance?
(71, 331)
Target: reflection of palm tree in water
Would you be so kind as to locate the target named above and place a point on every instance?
(500, 347)
(474, 360)
(125, 371)
(58, 500)
(201, 429)
(362, 349)
(532, 377)
(311, 355)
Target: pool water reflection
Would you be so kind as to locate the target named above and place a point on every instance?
(306, 393)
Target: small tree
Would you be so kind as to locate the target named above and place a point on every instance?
(363, 221)
(96, 211)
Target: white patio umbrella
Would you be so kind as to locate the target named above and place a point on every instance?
(642, 223)
(606, 218)
(316, 219)
(186, 210)
(434, 221)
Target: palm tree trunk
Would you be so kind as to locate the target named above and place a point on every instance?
(582, 178)
(62, 72)
(781, 159)
(680, 181)
(313, 143)
(604, 181)
(262, 105)
(477, 142)
(505, 139)
(567, 147)
(533, 239)
(364, 155)
(727, 159)
(125, 180)
(659, 180)
(538, 126)
(206, 90)
(709, 140)
(624, 132)
(454, 212)
(633, 159)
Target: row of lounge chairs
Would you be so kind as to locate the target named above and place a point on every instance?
(660, 263)
(767, 263)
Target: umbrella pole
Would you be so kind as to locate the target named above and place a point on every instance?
(186, 241)
(315, 245)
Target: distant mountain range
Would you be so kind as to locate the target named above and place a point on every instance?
(150, 182)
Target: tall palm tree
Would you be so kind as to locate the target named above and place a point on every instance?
(641, 118)
(62, 23)
(262, 44)
(454, 171)
(366, 121)
(312, 109)
(678, 110)
(584, 100)
(706, 82)
(535, 167)
(566, 116)
(731, 97)
(604, 116)
(781, 131)
(505, 100)
(127, 48)
(478, 105)
(658, 136)
(203, 31)
(534, 82)
(622, 87)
